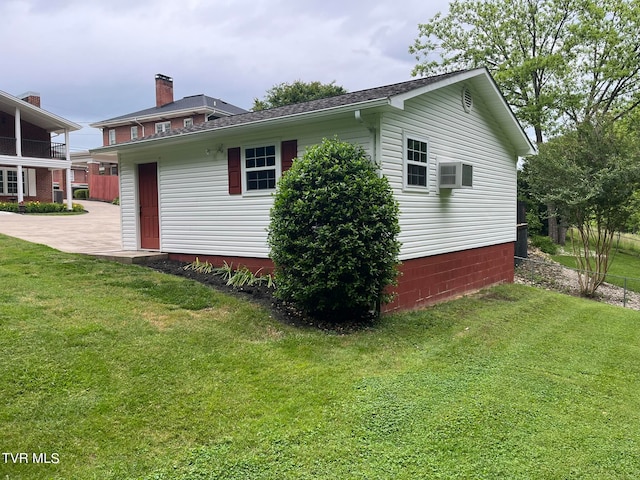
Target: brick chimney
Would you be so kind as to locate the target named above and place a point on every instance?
(31, 97)
(164, 90)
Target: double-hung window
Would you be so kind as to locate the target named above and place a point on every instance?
(163, 127)
(112, 136)
(415, 162)
(12, 182)
(134, 132)
(9, 182)
(260, 167)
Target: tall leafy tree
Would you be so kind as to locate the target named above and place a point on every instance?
(526, 44)
(554, 60)
(296, 92)
(590, 174)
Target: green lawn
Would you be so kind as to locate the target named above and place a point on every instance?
(125, 373)
(624, 264)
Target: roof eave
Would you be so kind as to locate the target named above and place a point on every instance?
(55, 123)
(256, 123)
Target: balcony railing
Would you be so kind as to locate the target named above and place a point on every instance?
(33, 148)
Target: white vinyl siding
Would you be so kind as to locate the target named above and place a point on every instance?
(198, 216)
(458, 219)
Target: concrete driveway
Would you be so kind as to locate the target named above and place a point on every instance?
(96, 232)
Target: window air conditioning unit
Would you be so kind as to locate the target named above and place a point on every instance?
(455, 175)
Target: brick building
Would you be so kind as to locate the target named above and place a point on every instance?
(27, 155)
(167, 115)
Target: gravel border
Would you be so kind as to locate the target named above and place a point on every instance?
(540, 270)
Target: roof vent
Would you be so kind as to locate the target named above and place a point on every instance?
(467, 100)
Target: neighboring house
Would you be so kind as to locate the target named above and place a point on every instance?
(165, 116)
(27, 155)
(79, 172)
(448, 144)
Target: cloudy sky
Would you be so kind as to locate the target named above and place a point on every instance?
(93, 60)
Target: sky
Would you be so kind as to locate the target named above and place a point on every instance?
(93, 60)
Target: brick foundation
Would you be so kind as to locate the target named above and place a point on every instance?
(428, 280)
(424, 281)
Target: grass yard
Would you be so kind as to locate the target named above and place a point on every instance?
(626, 263)
(119, 372)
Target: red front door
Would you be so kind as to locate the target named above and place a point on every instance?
(148, 195)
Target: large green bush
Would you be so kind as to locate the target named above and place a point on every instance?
(333, 233)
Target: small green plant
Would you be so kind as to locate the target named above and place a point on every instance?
(225, 271)
(240, 277)
(545, 244)
(116, 201)
(200, 267)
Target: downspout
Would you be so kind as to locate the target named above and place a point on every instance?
(374, 134)
(136, 120)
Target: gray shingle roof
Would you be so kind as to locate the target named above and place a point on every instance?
(187, 103)
(306, 107)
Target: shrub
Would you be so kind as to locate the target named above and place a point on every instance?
(9, 207)
(333, 233)
(116, 201)
(81, 193)
(39, 207)
(545, 244)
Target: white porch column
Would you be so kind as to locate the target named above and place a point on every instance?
(18, 134)
(68, 176)
(20, 185)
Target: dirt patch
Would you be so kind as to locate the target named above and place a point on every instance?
(541, 271)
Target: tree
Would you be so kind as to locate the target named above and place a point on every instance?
(524, 43)
(333, 233)
(296, 92)
(554, 60)
(590, 174)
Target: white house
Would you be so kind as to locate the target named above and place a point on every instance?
(448, 144)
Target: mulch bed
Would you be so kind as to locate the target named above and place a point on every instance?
(263, 296)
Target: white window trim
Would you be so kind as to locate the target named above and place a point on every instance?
(112, 136)
(406, 162)
(134, 128)
(27, 184)
(278, 168)
(189, 121)
(162, 127)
